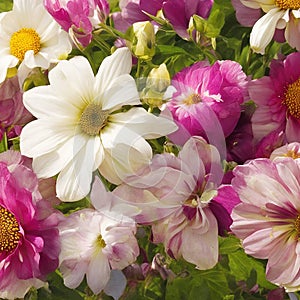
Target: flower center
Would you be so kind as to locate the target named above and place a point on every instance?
(192, 99)
(297, 225)
(93, 119)
(288, 4)
(292, 98)
(9, 230)
(24, 40)
(292, 154)
(100, 243)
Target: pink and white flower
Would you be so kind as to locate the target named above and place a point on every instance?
(277, 99)
(268, 218)
(29, 240)
(205, 95)
(180, 197)
(96, 241)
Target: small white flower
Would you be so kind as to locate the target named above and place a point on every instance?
(29, 36)
(81, 125)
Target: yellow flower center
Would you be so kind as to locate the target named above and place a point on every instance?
(288, 4)
(292, 98)
(192, 99)
(93, 119)
(293, 154)
(9, 230)
(100, 243)
(297, 225)
(24, 40)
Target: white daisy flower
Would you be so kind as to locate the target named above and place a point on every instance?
(279, 14)
(29, 38)
(81, 125)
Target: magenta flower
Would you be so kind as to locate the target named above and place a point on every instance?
(78, 17)
(268, 217)
(29, 240)
(205, 95)
(13, 113)
(96, 241)
(181, 198)
(277, 100)
(179, 13)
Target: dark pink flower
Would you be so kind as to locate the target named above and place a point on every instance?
(78, 17)
(277, 100)
(205, 95)
(29, 240)
(12, 111)
(179, 12)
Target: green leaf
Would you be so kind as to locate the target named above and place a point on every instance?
(6, 5)
(3, 143)
(229, 244)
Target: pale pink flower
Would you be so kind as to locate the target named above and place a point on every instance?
(29, 240)
(288, 150)
(96, 241)
(268, 218)
(180, 197)
(277, 99)
(205, 95)
(78, 17)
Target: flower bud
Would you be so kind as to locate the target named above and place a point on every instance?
(143, 45)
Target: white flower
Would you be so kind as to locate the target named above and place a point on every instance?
(93, 243)
(81, 125)
(29, 36)
(279, 15)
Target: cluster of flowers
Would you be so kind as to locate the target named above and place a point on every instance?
(221, 156)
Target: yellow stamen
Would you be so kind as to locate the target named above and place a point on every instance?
(24, 40)
(100, 243)
(93, 119)
(297, 225)
(9, 230)
(288, 4)
(292, 98)
(192, 99)
(292, 154)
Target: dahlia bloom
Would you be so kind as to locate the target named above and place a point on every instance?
(78, 17)
(179, 13)
(279, 14)
(30, 38)
(205, 95)
(268, 217)
(94, 242)
(29, 240)
(80, 125)
(13, 114)
(180, 197)
(132, 11)
(276, 97)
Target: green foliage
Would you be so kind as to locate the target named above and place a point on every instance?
(6, 5)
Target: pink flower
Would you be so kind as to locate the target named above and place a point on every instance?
(179, 197)
(132, 11)
(29, 241)
(78, 17)
(96, 241)
(13, 113)
(179, 13)
(205, 95)
(268, 217)
(289, 150)
(276, 97)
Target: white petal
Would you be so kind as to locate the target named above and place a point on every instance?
(43, 136)
(32, 61)
(143, 123)
(123, 91)
(5, 63)
(263, 30)
(73, 182)
(116, 284)
(100, 197)
(52, 163)
(42, 102)
(73, 81)
(113, 66)
(98, 273)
